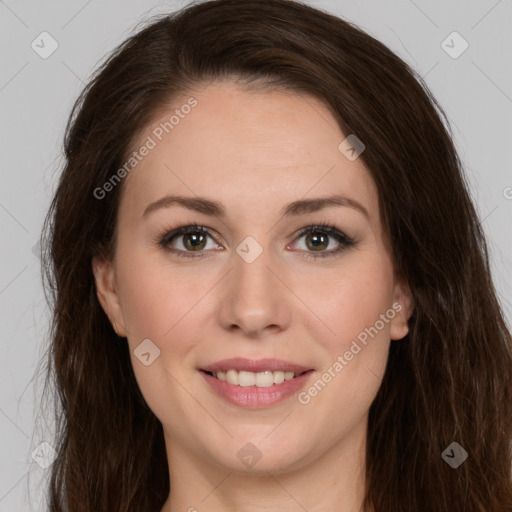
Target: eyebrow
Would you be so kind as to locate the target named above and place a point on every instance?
(214, 208)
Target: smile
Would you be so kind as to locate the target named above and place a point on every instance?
(255, 384)
(264, 379)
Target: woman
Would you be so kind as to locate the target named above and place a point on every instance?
(270, 286)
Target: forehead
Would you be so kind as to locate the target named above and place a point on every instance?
(245, 148)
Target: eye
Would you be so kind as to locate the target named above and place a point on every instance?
(190, 241)
(187, 239)
(320, 237)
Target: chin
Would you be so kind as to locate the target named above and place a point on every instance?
(257, 455)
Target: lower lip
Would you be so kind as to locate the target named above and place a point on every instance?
(253, 396)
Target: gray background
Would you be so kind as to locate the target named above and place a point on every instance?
(36, 95)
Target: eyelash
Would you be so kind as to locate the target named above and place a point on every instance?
(323, 227)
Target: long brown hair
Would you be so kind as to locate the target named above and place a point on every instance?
(448, 381)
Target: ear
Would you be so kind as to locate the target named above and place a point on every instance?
(403, 305)
(105, 279)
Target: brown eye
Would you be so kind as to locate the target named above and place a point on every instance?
(186, 240)
(194, 240)
(318, 239)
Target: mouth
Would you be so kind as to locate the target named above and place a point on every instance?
(264, 379)
(255, 383)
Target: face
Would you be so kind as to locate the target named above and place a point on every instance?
(268, 285)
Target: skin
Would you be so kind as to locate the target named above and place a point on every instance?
(254, 152)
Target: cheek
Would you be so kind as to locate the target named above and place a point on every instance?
(154, 298)
(359, 311)
(354, 349)
(351, 301)
(165, 306)
(158, 305)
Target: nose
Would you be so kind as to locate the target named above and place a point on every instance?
(255, 299)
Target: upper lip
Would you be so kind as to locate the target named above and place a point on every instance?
(254, 365)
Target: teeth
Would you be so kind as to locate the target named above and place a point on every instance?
(261, 379)
(232, 377)
(246, 379)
